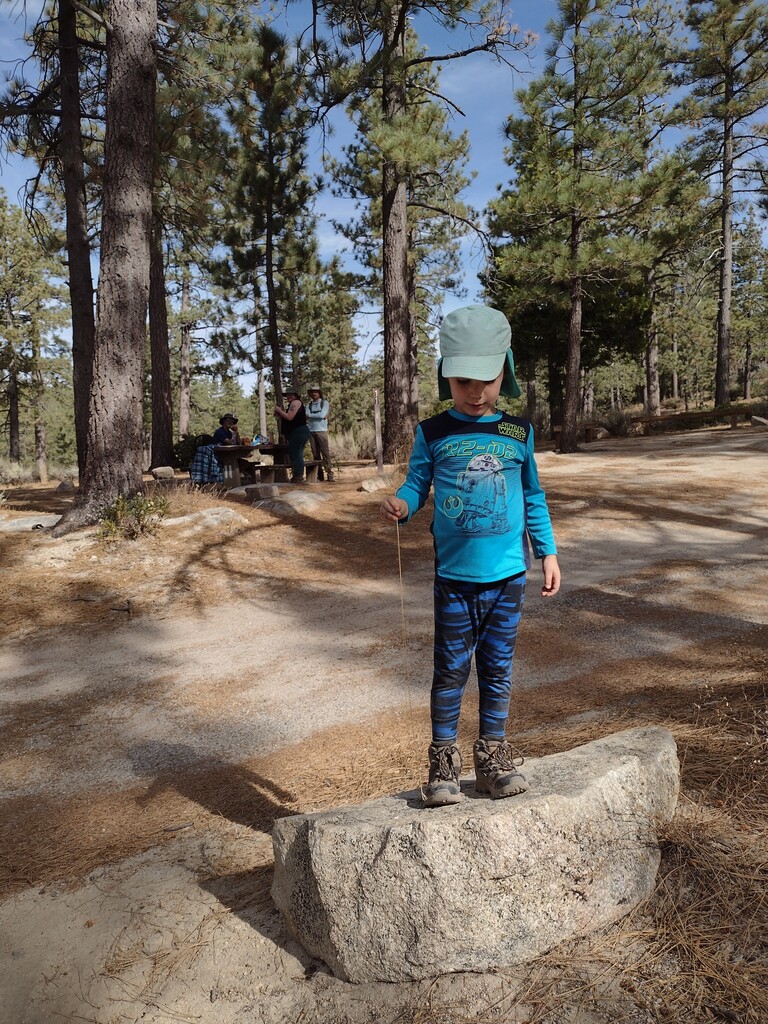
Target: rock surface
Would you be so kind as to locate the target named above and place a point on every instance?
(19, 524)
(388, 891)
(259, 492)
(206, 519)
(377, 483)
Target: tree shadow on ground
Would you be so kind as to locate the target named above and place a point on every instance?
(221, 787)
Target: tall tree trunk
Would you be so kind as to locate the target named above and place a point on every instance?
(747, 392)
(113, 464)
(273, 333)
(572, 366)
(78, 247)
(400, 416)
(162, 401)
(12, 394)
(675, 379)
(41, 454)
(185, 370)
(722, 373)
(554, 386)
(652, 388)
(588, 400)
(413, 353)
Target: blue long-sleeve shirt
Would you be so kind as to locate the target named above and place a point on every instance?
(487, 494)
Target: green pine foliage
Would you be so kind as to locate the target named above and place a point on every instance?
(32, 364)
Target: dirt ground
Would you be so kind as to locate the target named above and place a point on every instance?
(164, 700)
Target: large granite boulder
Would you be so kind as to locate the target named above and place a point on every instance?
(388, 891)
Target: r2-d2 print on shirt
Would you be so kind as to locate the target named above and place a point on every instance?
(480, 503)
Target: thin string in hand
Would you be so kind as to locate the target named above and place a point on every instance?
(402, 590)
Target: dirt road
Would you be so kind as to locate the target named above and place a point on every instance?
(163, 701)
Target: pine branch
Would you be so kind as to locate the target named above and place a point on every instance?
(482, 235)
(97, 18)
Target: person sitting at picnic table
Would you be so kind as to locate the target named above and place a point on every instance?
(204, 467)
(293, 424)
(227, 432)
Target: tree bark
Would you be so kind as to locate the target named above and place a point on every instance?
(41, 454)
(555, 387)
(722, 373)
(185, 370)
(162, 401)
(675, 379)
(400, 416)
(573, 356)
(78, 246)
(572, 366)
(12, 394)
(113, 464)
(748, 370)
(652, 386)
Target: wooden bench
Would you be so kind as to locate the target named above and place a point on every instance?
(310, 471)
(589, 430)
(698, 417)
(278, 474)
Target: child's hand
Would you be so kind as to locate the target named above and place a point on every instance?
(393, 509)
(551, 570)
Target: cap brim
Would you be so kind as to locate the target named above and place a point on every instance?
(483, 368)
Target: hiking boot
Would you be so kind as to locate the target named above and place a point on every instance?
(444, 771)
(495, 770)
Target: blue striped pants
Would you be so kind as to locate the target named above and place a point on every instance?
(480, 620)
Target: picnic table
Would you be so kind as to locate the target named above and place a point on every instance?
(228, 457)
(235, 463)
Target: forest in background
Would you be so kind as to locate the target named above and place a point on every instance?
(173, 188)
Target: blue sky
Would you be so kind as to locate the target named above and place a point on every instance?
(482, 89)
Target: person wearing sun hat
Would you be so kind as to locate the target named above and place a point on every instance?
(227, 432)
(488, 504)
(317, 421)
(293, 424)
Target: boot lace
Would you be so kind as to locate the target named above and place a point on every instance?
(446, 765)
(505, 757)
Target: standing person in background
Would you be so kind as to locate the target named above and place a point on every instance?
(317, 421)
(293, 424)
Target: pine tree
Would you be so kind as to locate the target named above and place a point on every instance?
(268, 225)
(31, 308)
(433, 166)
(582, 170)
(750, 302)
(115, 429)
(728, 69)
(201, 50)
(376, 34)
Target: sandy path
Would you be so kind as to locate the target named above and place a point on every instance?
(663, 545)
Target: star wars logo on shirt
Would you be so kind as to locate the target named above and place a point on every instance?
(512, 430)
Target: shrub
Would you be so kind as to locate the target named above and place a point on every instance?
(617, 422)
(348, 445)
(129, 518)
(60, 473)
(183, 451)
(15, 473)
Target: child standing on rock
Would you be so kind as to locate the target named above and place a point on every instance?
(487, 502)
